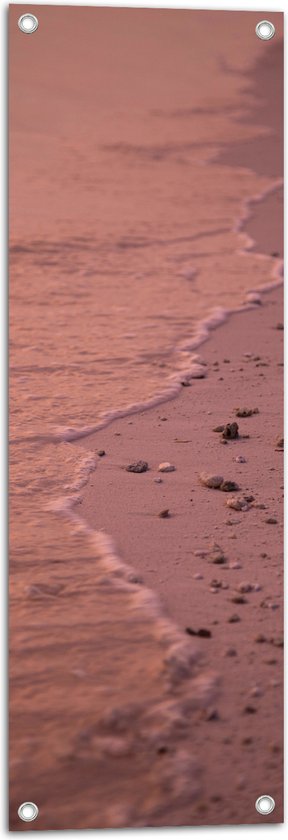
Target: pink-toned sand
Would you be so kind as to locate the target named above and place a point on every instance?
(124, 200)
(241, 746)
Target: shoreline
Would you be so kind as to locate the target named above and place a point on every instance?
(180, 577)
(110, 508)
(205, 328)
(168, 570)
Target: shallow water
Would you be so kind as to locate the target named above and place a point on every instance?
(124, 237)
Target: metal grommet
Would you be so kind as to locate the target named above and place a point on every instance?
(265, 30)
(265, 804)
(28, 23)
(28, 811)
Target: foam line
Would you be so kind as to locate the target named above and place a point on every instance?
(190, 368)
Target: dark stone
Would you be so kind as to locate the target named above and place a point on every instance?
(203, 633)
(246, 412)
(230, 431)
(229, 486)
(138, 467)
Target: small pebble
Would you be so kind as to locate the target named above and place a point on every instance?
(213, 715)
(253, 297)
(231, 652)
(198, 576)
(231, 431)
(240, 459)
(157, 480)
(234, 619)
(271, 520)
(101, 452)
(203, 633)
(166, 467)
(280, 442)
(237, 504)
(138, 467)
(246, 412)
(229, 486)
(164, 514)
(256, 691)
(211, 480)
(245, 587)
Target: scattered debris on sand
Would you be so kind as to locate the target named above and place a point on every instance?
(138, 467)
(229, 431)
(217, 482)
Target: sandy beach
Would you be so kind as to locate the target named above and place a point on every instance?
(237, 600)
(146, 454)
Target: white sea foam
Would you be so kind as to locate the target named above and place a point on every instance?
(191, 368)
